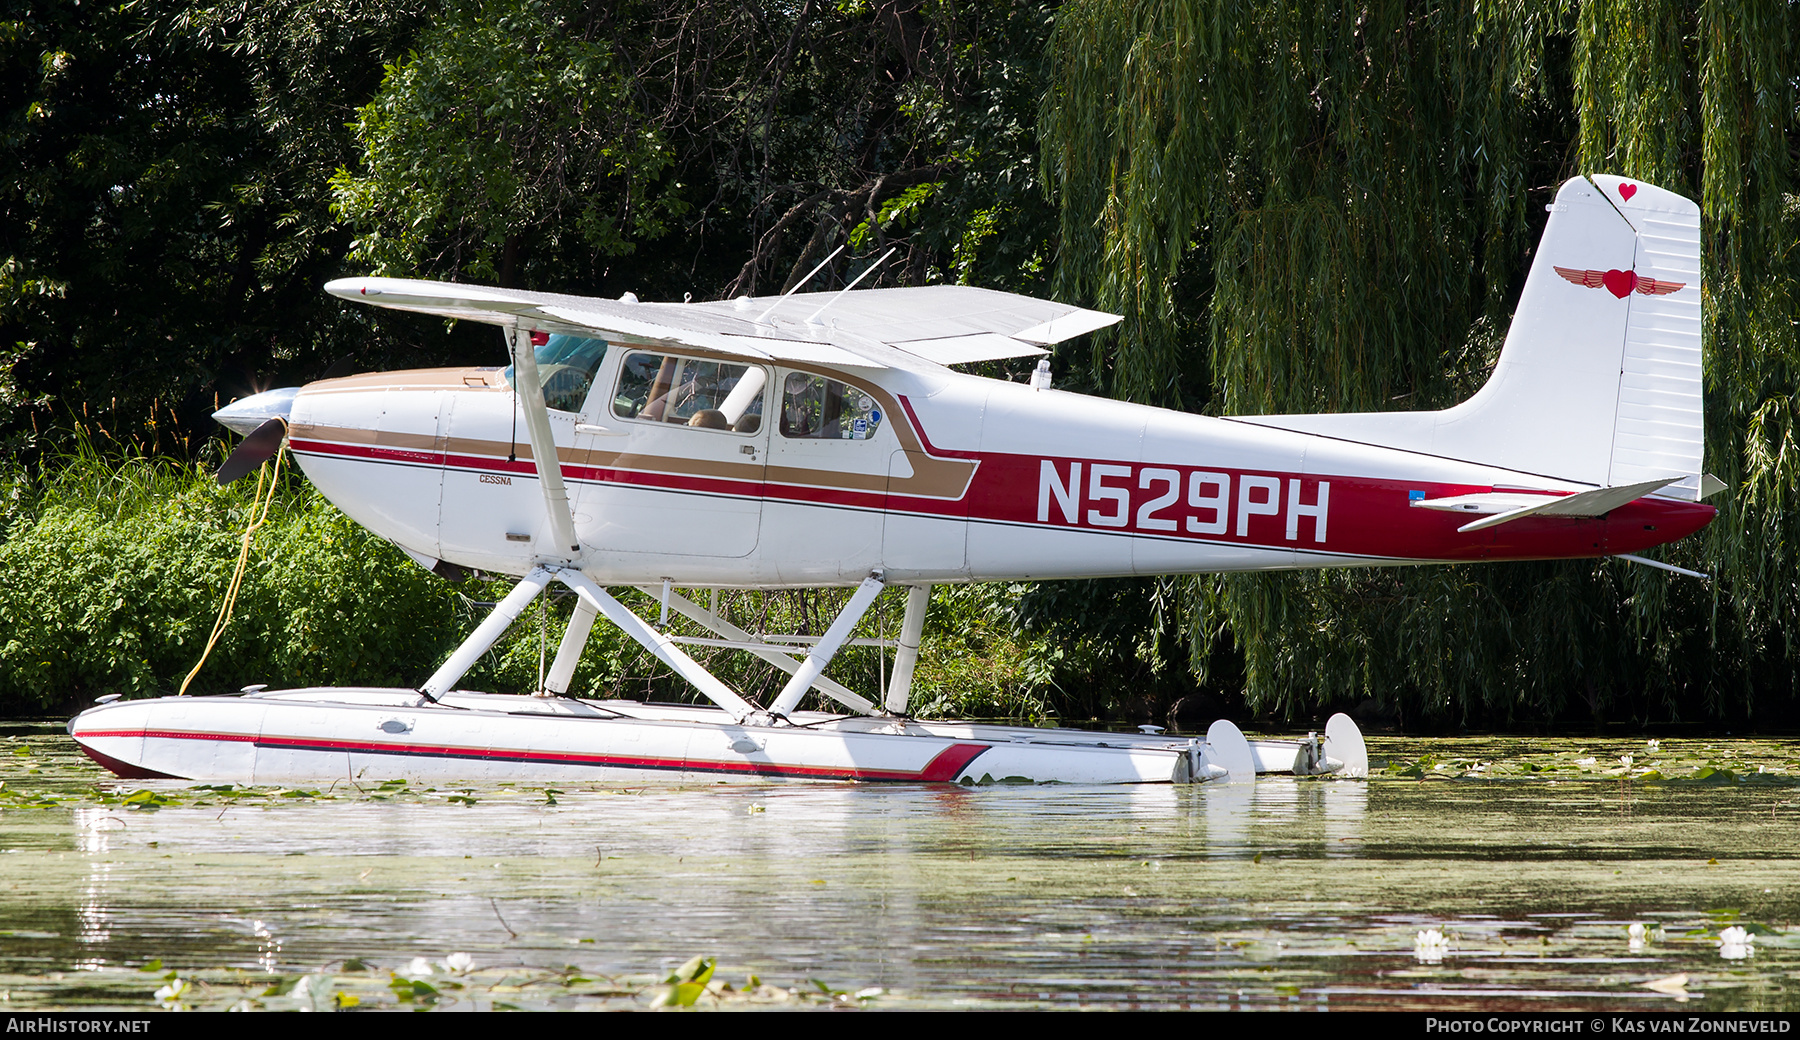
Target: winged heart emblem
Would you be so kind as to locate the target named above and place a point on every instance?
(1620, 283)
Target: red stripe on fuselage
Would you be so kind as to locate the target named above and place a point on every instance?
(1364, 517)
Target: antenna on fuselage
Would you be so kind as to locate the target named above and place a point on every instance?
(809, 277)
(813, 317)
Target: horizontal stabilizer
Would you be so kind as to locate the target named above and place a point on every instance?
(1484, 503)
(1597, 502)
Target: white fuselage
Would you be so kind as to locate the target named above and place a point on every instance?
(957, 478)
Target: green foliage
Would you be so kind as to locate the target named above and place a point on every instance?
(168, 200)
(163, 206)
(976, 662)
(1105, 648)
(513, 127)
(116, 569)
(1349, 177)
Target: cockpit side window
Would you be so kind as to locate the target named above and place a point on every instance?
(566, 367)
(711, 395)
(816, 408)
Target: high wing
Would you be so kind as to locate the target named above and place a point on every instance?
(940, 324)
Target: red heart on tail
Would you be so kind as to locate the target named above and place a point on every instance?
(1626, 191)
(1619, 283)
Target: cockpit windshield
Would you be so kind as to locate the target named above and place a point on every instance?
(566, 367)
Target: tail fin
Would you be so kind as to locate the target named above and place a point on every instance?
(1599, 381)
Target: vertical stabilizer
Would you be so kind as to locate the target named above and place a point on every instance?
(1599, 380)
(1659, 431)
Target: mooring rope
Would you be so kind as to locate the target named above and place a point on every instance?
(259, 512)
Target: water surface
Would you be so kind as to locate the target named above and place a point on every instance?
(1530, 858)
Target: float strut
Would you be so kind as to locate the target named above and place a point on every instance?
(661, 645)
(568, 653)
(713, 622)
(827, 646)
(491, 628)
(906, 655)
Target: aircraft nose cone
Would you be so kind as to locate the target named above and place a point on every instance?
(247, 414)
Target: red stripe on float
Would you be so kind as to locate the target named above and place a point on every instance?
(943, 768)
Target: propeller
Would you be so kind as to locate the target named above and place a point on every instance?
(259, 447)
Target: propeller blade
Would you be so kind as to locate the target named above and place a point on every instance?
(256, 449)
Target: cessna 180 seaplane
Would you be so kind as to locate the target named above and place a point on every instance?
(817, 440)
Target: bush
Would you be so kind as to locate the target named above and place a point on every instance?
(115, 570)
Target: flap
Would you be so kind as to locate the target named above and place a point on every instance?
(961, 350)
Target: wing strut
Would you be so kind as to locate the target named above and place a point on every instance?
(543, 443)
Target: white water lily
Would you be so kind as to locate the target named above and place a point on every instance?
(1430, 946)
(1625, 760)
(420, 968)
(172, 992)
(1653, 745)
(1638, 936)
(1735, 944)
(459, 964)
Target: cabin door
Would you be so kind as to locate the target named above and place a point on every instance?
(676, 465)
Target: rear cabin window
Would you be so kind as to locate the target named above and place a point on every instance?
(709, 395)
(816, 408)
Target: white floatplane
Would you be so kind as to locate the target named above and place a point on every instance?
(818, 440)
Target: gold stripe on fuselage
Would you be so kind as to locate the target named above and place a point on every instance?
(932, 477)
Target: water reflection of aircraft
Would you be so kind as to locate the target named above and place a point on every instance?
(822, 440)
